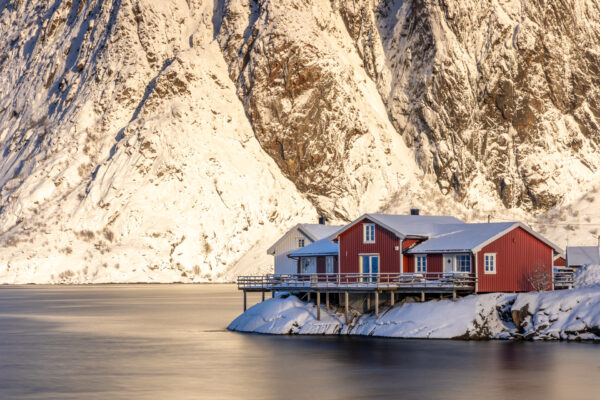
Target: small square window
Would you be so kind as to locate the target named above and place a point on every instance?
(300, 242)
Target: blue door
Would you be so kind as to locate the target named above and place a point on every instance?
(370, 265)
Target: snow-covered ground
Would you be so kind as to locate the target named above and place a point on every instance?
(568, 315)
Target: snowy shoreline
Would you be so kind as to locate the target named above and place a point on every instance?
(558, 315)
(565, 315)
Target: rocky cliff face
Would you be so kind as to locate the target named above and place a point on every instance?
(499, 96)
(173, 140)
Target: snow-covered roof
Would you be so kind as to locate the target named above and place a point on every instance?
(462, 237)
(319, 231)
(406, 225)
(323, 247)
(582, 255)
(313, 232)
(472, 237)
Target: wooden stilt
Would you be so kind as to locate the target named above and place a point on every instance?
(392, 298)
(422, 297)
(327, 300)
(272, 293)
(454, 295)
(318, 306)
(263, 296)
(376, 304)
(368, 302)
(346, 305)
(244, 301)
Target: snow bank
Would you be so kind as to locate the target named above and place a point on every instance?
(567, 315)
(588, 275)
(287, 315)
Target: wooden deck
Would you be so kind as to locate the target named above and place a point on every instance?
(360, 284)
(409, 282)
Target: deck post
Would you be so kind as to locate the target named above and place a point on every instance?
(376, 303)
(318, 306)
(327, 300)
(392, 298)
(422, 297)
(244, 301)
(368, 301)
(454, 295)
(346, 305)
(263, 295)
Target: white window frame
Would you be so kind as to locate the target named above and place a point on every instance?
(457, 263)
(366, 228)
(492, 258)
(301, 242)
(329, 265)
(423, 267)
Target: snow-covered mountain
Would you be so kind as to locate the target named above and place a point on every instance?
(175, 140)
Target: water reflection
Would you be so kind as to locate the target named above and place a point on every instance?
(155, 342)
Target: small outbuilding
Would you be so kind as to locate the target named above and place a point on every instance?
(578, 256)
(320, 257)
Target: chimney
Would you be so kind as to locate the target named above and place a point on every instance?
(414, 211)
(322, 221)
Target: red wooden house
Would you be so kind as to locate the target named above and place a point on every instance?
(502, 256)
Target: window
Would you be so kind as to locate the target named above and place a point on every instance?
(421, 263)
(463, 263)
(489, 263)
(369, 233)
(309, 265)
(300, 242)
(329, 264)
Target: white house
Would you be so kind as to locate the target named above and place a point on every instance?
(299, 236)
(582, 255)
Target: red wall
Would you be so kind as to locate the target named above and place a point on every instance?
(409, 261)
(435, 263)
(517, 254)
(560, 262)
(351, 245)
(322, 267)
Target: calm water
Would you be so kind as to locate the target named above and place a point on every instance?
(170, 342)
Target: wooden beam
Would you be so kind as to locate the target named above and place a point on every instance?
(422, 297)
(368, 302)
(346, 305)
(263, 295)
(454, 295)
(327, 300)
(392, 299)
(318, 306)
(244, 301)
(376, 303)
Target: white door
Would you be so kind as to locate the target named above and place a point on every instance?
(448, 263)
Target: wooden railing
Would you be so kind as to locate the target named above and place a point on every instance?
(563, 278)
(453, 280)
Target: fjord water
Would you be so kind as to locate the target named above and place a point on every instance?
(171, 342)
